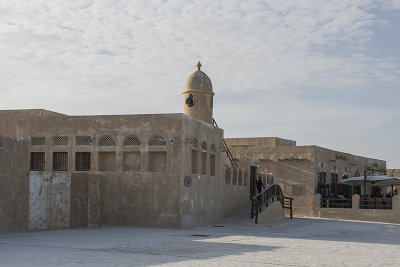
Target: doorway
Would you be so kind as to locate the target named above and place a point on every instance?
(253, 176)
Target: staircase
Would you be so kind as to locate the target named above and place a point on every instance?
(228, 152)
(271, 193)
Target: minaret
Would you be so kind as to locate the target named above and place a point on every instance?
(198, 96)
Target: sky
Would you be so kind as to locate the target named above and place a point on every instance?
(323, 73)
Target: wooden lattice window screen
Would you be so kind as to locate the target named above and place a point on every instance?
(83, 140)
(157, 141)
(60, 141)
(38, 141)
(106, 141)
(131, 141)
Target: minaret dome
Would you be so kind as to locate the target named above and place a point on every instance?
(198, 96)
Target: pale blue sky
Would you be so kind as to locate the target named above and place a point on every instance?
(323, 73)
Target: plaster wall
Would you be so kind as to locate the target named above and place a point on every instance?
(209, 198)
(120, 192)
(14, 184)
(259, 141)
(296, 168)
(9, 119)
(117, 197)
(393, 172)
(49, 200)
(203, 105)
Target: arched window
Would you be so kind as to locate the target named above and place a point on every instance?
(157, 141)
(195, 156)
(131, 141)
(212, 160)
(235, 175)
(204, 146)
(194, 143)
(204, 158)
(228, 175)
(212, 148)
(240, 177)
(106, 140)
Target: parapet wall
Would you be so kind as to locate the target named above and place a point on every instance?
(259, 141)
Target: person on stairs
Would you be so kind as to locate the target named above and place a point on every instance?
(260, 184)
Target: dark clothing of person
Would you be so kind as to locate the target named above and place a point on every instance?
(260, 185)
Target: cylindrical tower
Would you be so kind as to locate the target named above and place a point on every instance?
(198, 96)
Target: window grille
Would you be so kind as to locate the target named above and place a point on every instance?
(83, 140)
(60, 161)
(82, 161)
(37, 161)
(38, 141)
(60, 141)
(106, 141)
(204, 146)
(131, 141)
(212, 148)
(157, 141)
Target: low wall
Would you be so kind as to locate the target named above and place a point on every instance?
(357, 214)
(49, 198)
(62, 200)
(14, 184)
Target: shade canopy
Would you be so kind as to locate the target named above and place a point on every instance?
(373, 179)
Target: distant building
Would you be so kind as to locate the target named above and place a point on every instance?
(303, 171)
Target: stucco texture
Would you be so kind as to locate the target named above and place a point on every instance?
(14, 184)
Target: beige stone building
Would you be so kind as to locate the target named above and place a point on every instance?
(169, 170)
(151, 170)
(303, 171)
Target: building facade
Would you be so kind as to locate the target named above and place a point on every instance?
(303, 171)
(165, 170)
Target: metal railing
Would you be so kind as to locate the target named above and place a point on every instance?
(377, 203)
(271, 193)
(228, 152)
(336, 203)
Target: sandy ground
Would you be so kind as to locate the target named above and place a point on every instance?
(232, 242)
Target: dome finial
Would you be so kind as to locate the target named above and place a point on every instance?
(198, 65)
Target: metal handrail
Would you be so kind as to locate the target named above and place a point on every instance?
(228, 152)
(270, 193)
(336, 203)
(376, 203)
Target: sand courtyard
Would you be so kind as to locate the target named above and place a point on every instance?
(232, 242)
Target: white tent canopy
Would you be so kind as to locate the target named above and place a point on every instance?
(373, 179)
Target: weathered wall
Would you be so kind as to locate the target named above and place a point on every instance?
(292, 168)
(259, 141)
(85, 200)
(148, 191)
(209, 198)
(61, 200)
(296, 167)
(9, 119)
(49, 200)
(393, 172)
(146, 196)
(14, 184)
(296, 178)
